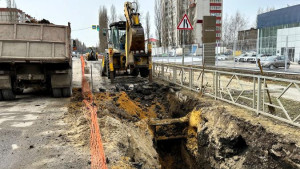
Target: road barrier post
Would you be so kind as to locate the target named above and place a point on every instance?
(258, 95)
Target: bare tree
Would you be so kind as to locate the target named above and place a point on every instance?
(113, 14)
(8, 3)
(148, 26)
(81, 48)
(103, 23)
(121, 17)
(231, 26)
(158, 21)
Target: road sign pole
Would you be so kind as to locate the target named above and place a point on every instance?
(183, 47)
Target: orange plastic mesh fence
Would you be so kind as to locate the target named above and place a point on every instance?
(98, 160)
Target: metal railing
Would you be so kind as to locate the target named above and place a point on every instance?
(243, 90)
(240, 54)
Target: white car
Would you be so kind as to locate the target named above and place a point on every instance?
(242, 58)
(221, 57)
(252, 58)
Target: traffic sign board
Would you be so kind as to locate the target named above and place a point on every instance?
(185, 24)
(94, 26)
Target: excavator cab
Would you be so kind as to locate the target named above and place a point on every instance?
(118, 35)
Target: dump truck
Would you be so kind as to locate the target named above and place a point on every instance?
(126, 50)
(35, 55)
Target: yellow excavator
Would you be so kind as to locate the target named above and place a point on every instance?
(126, 49)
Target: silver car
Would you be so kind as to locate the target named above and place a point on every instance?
(274, 62)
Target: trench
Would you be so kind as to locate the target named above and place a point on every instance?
(168, 104)
(171, 139)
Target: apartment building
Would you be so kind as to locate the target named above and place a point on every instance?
(174, 10)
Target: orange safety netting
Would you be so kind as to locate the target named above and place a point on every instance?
(98, 160)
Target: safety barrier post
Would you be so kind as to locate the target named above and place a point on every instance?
(174, 75)
(258, 94)
(191, 78)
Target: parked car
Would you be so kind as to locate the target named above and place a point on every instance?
(221, 57)
(251, 58)
(272, 62)
(242, 58)
(254, 57)
(299, 62)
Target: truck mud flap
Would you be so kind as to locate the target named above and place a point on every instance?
(61, 80)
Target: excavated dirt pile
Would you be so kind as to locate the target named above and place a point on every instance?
(227, 140)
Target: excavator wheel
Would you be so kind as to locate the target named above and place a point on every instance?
(144, 72)
(104, 68)
(134, 72)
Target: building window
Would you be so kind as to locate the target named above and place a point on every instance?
(214, 1)
(219, 21)
(215, 8)
(216, 14)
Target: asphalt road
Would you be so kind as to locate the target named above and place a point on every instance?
(34, 134)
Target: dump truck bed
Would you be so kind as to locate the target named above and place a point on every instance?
(34, 43)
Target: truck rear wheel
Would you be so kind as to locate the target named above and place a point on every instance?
(144, 72)
(19, 91)
(1, 98)
(8, 94)
(57, 92)
(67, 92)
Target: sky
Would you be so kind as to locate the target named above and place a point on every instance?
(84, 13)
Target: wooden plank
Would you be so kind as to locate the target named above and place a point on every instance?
(168, 121)
(162, 138)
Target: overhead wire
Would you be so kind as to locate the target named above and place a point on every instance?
(81, 29)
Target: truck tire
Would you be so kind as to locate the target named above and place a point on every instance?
(1, 98)
(19, 91)
(144, 72)
(135, 72)
(67, 92)
(104, 68)
(8, 94)
(57, 92)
